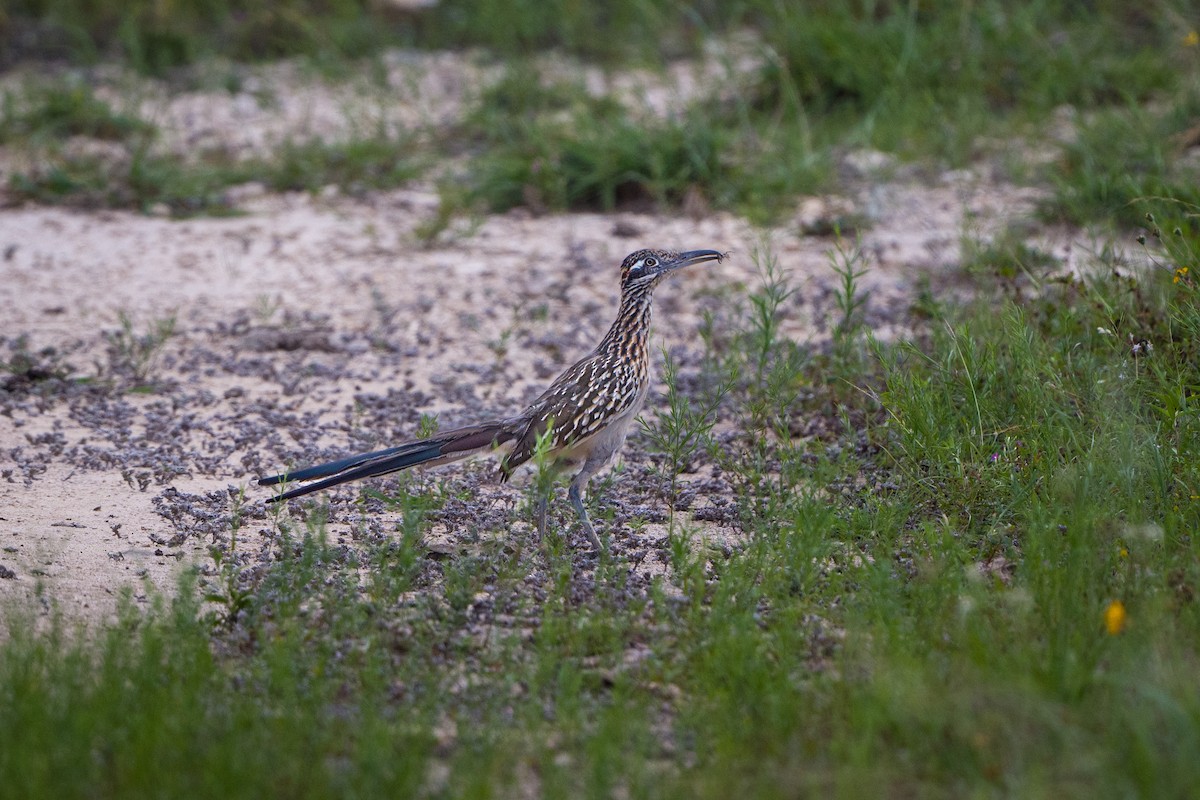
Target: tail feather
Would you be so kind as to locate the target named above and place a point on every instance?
(443, 448)
(334, 467)
(382, 464)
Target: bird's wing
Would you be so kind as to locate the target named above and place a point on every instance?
(579, 404)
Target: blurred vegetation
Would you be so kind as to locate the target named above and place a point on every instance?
(829, 53)
(934, 79)
(53, 111)
(1128, 161)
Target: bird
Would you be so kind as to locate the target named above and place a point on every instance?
(588, 410)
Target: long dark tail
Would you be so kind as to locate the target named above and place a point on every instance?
(440, 449)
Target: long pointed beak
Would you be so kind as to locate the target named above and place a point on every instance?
(689, 258)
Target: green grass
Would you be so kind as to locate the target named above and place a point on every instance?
(141, 180)
(147, 181)
(157, 38)
(133, 354)
(940, 80)
(546, 143)
(932, 77)
(375, 162)
(1128, 162)
(52, 111)
(144, 179)
(919, 607)
(40, 121)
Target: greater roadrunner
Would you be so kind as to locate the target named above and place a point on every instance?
(588, 410)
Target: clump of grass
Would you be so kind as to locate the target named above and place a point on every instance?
(26, 369)
(541, 488)
(133, 354)
(887, 69)
(771, 366)
(682, 429)
(55, 111)
(1128, 162)
(849, 265)
(646, 30)
(157, 39)
(376, 162)
(142, 180)
(146, 180)
(549, 145)
(599, 161)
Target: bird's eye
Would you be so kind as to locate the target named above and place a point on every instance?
(650, 261)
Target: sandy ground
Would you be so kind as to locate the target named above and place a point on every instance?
(317, 325)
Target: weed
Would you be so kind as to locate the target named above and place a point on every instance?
(133, 355)
(849, 267)
(56, 111)
(265, 307)
(680, 432)
(541, 488)
(772, 366)
(427, 426)
(452, 200)
(396, 564)
(26, 369)
(499, 345)
(234, 593)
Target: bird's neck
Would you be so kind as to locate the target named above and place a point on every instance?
(630, 329)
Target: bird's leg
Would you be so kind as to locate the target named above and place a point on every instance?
(575, 496)
(539, 514)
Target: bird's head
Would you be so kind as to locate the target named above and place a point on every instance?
(645, 268)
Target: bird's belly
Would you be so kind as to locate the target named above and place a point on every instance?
(602, 445)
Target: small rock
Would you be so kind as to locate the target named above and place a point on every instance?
(625, 229)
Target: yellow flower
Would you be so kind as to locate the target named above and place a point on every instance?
(1114, 617)
(1123, 552)
(1180, 274)
(1192, 39)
